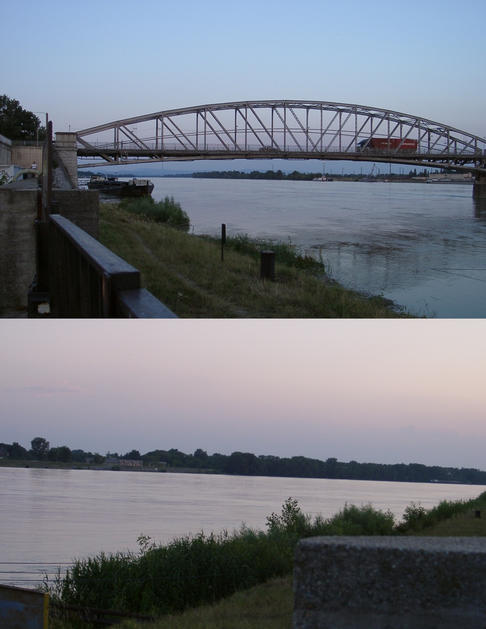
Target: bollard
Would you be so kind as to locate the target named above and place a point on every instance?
(267, 265)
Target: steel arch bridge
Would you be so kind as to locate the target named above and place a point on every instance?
(285, 129)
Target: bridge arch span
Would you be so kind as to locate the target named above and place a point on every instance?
(285, 129)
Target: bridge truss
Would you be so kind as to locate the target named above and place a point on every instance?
(285, 129)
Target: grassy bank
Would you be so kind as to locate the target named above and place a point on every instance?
(186, 273)
(197, 572)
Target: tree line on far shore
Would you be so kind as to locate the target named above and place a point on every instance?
(301, 176)
(248, 464)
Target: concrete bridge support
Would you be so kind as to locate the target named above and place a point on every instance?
(390, 582)
(479, 188)
(65, 148)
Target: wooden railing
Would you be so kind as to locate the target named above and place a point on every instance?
(88, 280)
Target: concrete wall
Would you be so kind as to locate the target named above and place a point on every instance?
(79, 206)
(390, 583)
(18, 210)
(25, 156)
(5, 151)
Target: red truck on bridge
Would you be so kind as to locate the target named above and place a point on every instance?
(388, 144)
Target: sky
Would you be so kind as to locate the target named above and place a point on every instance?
(379, 391)
(93, 62)
(370, 391)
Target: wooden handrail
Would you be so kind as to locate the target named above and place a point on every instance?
(86, 279)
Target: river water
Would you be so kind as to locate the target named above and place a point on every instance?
(49, 517)
(422, 246)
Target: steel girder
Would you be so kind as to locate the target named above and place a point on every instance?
(289, 129)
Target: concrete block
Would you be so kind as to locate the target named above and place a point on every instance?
(390, 583)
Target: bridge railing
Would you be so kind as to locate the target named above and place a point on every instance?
(88, 280)
(151, 145)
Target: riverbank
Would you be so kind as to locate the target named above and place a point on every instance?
(187, 274)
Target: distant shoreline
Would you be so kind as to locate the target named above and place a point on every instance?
(279, 175)
(186, 470)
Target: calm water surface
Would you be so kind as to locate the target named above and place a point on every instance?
(423, 246)
(50, 517)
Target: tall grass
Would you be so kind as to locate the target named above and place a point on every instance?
(185, 573)
(286, 253)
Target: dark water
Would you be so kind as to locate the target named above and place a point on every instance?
(49, 517)
(423, 246)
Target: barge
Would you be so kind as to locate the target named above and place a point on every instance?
(114, 187)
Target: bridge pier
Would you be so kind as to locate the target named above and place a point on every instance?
(65, 147)
(479, 187)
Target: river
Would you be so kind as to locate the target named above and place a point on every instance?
(49, 517)
(422, 246)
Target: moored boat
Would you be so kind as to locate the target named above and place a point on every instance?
(113, 186)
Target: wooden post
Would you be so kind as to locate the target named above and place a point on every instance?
(223, 240)
(267, 265)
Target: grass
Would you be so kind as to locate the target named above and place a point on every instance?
(266, 606)
(446, 515)
(186, 273)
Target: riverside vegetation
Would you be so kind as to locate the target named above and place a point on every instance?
(251, 567)
(186, 273)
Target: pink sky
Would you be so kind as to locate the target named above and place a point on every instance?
(382, 391)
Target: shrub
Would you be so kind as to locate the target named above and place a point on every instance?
(364, 520)
(290, 520)
(167, 211)
(414, 517)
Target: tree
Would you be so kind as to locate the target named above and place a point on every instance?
(40, 448)
(63, 453)
(244, 463)
(132, 455)
(17, 123)
(17, 451)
